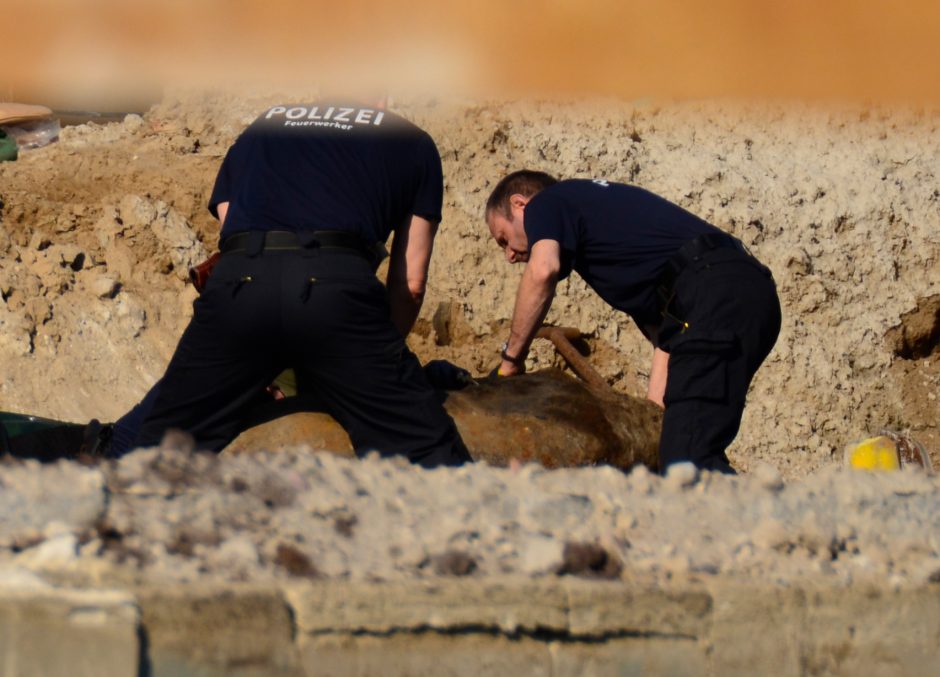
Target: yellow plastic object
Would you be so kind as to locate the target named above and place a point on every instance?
(875, 453)
(287, 382)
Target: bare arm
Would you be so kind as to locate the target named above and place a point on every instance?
(658, 374)
(222, 209)
(536, 291)
(408, 271)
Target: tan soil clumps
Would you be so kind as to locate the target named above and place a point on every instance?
(842, 204)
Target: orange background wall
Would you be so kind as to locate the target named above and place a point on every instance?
(830, 49)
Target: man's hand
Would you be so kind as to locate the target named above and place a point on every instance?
(506, 369)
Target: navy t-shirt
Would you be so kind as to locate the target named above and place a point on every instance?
(329, 167)
(618, 238)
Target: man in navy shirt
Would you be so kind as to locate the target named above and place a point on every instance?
(709, 307)
(306, 196)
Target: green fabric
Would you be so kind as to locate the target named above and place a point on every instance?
(23, 424)
(287, 382)
(8, 149)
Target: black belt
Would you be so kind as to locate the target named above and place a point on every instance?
(689, 254)
(254, 242)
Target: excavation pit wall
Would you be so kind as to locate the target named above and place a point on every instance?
(841, 202)
(297, 563)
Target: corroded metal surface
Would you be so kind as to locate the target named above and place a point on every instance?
(556, 420)
(561, 338)
(546, 416)
(911, 453)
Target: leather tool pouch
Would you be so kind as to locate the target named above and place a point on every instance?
(199, 274)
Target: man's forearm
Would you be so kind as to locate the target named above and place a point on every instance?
(659, 374)
(404, 306)
(408, 271)
(533, 300)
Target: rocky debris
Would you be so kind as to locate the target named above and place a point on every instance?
(104, 287)
(834, 201)
(15, 332)
(165, 514)
(133, 123)
(840, 202)
(918, 333)
(174, 235)
(40, 504)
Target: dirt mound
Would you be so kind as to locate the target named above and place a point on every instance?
(97, 232)
(168, 514)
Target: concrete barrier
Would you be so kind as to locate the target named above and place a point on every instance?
(453, 626)
(80, 633)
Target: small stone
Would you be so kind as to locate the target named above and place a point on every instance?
(238, 552)
(770, 533)
(589, 560)
(641, 481)
(136, 212)
(65, 223)
(133, 123)
(104, 287)
(768, 477)
(178, 440)
(55, 552)
(744, 552)
(710, 568)
(454, 563)
(556, 511)
(56, 529)
(625, 521)
(295, 562)
(677, 565)
(541, 555)
(39, 241)
(680, 476)
(38, 309)
(343, 524)
(67, 256)
(19, 579)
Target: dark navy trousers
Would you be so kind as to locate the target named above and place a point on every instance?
(323, 313)
(729, 301)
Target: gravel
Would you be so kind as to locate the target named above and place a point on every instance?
(176, 515)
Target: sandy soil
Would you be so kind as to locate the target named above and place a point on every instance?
(99, 229)
(166, 514)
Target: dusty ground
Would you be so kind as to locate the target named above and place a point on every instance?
(842, 204)
(168, 515)
(169, 562)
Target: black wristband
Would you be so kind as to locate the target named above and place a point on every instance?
(509, 358)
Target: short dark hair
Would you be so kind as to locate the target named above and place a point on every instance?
(525, 182)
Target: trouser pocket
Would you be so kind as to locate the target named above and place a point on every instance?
(698, 366)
